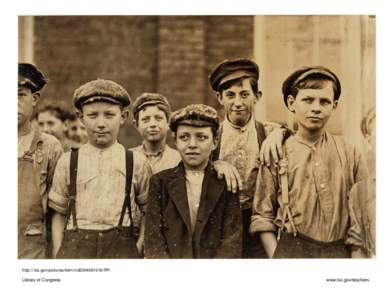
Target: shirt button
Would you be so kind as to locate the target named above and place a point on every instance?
(322, 186)
(317, 164)
(100, 234)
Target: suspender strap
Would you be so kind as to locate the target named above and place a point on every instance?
(260, 133)
(73, 186)
(128, 184)
(283, 177)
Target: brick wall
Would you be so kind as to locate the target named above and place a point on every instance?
(172, 55)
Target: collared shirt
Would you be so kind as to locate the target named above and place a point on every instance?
(239, 147)
(45, 159)
(194, 181)
(101, 186)
(319, 180)
(165, 159)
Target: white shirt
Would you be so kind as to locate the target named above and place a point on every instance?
(194, 181)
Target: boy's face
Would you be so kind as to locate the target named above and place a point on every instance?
(76, 131)
(102, 122)
(50, 124)
(313, 107)
(238, 101)
(195, 145)
(26, 103)
(152, 124)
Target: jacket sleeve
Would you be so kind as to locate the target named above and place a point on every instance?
(231, 242)
(155, 245)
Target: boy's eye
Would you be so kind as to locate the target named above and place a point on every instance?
(229, 95)
(325, 102)
(92, 116)
(307, 100)
(245, 94)
(158, 118)
(183, 137)
(202, 137)
(146, 119)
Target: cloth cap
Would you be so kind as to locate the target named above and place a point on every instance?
(31, 77)
(233, 69)
(196, 115)
(101, 90)
(148, 99)
(305, 73)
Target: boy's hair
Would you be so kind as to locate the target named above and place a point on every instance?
(58, 110)
(150, 99)
(310, 78)
(253, 82)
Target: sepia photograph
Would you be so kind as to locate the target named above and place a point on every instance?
(196, 136)
(208, 149)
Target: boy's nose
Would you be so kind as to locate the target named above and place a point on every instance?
(237, 101)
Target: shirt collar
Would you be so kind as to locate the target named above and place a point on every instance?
(249, 125)
(160, 152)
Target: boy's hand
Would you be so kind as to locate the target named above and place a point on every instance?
(272, 147)
(230, 173)
(140, 246)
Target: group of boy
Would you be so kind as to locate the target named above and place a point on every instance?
(213, 197)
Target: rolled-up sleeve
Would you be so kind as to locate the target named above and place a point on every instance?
(59, 193)
(265, 204)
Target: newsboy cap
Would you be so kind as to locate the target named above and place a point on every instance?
(306, 73)
(31, 77)
(233, 69)
(197, 115)
(149, 99)
(101, 90)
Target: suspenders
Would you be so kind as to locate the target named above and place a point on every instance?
(283, 181)
(260, 139)
(73, 188)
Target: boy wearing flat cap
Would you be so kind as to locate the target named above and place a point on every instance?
(242, 137)
(99, 191)
(305, 201)
(38, 154)
(190, 213)
(151, 114)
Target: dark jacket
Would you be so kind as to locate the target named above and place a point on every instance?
(218, 230)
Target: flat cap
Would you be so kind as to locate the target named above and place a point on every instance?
(149, 99)
(306, 73)
(233, 69)
(197, 115)
(103, 91)
(31, 77)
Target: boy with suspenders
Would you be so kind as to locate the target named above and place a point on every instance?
(306, 200)
(99, 191)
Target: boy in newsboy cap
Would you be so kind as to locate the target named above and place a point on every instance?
(99, 191)
(191, 214)
(306, 200)
(38, 154)
(242, 137)
(151, 114)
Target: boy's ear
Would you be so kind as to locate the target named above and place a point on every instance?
(80, 116)
(219, 98)
(124, 116)
(290, 103)
(335, 104)
(35, 98)
(215, 143)
(258, 96)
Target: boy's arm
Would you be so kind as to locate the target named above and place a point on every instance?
(272, 145)
(155, 245)
(269, 242)
(265, 207)
(231, 245)
(58, 224)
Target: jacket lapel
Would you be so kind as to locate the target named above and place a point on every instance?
(177, 191)
(212, 189)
